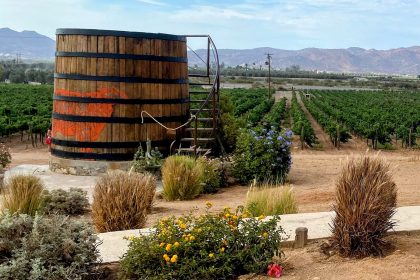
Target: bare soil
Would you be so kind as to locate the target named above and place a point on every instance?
(311, 263)
(322, 137)
(312, 176)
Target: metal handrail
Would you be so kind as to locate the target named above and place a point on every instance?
(215, 85)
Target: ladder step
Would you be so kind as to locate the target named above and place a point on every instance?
(201, 84)
(202, 110)
(198, 92)
(199, 129)
(198, 101)
(199, 150)
(198, 75)
(198, 139)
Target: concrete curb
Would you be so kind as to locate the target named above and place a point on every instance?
(407, 218)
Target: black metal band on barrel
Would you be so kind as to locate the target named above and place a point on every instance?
(95, 156)
(119, 100)
(99, 32)
(104, 145)
(122, 120)
(122, 56)
(118, 79)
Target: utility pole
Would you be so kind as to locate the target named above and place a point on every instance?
(268, 62)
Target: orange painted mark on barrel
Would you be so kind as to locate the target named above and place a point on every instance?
(83, 131)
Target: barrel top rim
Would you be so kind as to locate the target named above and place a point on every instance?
(119, 33)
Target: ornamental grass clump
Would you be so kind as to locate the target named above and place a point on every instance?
(182, 178)
(211, 246)
(23, 194)
(121, 200)
(366, 198)
(270, 199)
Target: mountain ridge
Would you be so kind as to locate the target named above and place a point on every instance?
(404, 60)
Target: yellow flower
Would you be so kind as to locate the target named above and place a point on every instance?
(166, 257)
(161, 244)
(222, 249)
(168, 247)
(209, 204)
(227, 215)
(265, 234)
(183, 226)
(211, 255)
(245, 215)
(131, 237)
(192, 238)
(234, 217)
(261, 217)
(174, 259)
(176, 244)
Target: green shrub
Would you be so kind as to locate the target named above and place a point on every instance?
(50, 247)
(263, 155)
(211, 178)
(121, 200)
(148, 161)
(231, 129)
(23, 194)
(5, 157)
(270, 199)
(212, 246)
(366, 198)
(182, 178)
(71, 202)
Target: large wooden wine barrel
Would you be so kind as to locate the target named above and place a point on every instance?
(103, 81)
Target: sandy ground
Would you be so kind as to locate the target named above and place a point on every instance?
(312, 176)
(310, 263)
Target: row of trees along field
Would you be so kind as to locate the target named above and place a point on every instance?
(26, 72)
(378, 116)
(301, 125)
(25, 108)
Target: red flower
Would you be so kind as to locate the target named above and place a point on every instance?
(274, 270)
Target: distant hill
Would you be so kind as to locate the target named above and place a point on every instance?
(30, 44)
(357, 60)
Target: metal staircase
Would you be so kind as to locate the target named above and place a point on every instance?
(202, 134)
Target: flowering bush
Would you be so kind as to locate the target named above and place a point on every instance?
(263, 154)
(212, 246)
(5, 157)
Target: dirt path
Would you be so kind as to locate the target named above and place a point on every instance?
(323, 138)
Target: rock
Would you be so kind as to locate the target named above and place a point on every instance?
(72, 171)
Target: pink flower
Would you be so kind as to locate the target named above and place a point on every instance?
(274, 270)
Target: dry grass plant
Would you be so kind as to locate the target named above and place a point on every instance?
(22, 194)
(121, 200)
(366, 198)
(182, 178)
(270, 199)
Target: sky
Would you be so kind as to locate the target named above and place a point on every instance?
(241, 24)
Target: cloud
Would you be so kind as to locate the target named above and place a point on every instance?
(152, 2)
